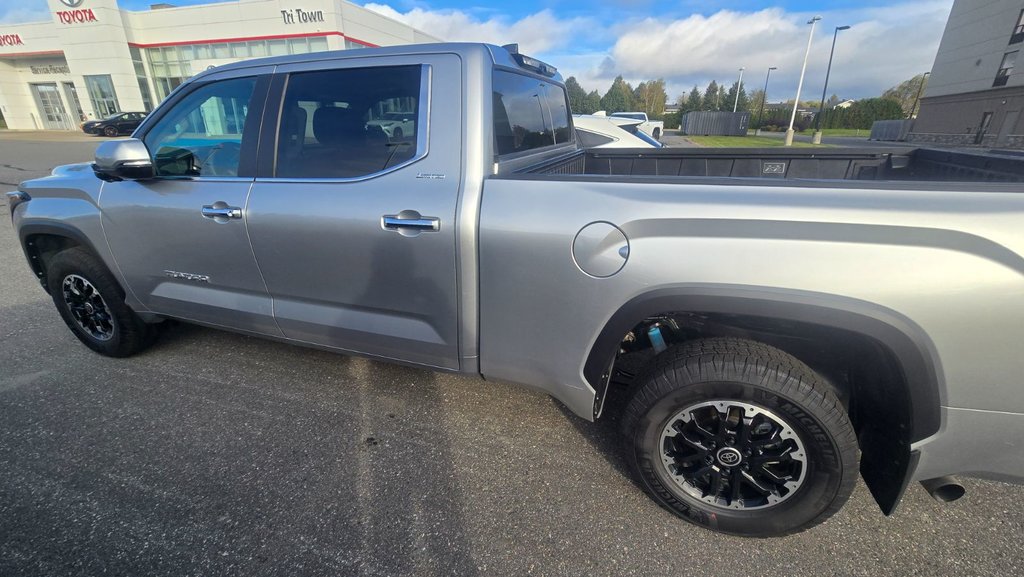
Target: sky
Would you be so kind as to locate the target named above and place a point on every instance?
(686, 42)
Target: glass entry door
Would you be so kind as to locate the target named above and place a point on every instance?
(101, 92)
(51, 108)
(71, 95)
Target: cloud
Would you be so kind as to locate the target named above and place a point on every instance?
(536, 33)
(884, 46)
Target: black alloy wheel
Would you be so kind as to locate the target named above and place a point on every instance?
(740, 437)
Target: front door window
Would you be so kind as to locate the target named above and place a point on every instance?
(202, 134)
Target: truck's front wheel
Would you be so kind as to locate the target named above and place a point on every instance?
(740, 437)
(91, 303)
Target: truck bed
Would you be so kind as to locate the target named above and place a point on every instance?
(903, 164)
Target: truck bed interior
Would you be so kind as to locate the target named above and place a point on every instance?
(901, 164)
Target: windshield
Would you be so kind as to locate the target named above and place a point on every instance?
(114, 116)
(633, 115)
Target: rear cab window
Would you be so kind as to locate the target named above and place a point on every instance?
(529, 113)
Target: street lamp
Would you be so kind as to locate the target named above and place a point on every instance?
(764, 99)
(920, 89)
(821, 109)
(800, 85)
(739, 83)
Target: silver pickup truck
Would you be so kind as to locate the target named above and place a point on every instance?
(763, 324)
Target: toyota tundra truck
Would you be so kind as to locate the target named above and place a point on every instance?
(766, 327)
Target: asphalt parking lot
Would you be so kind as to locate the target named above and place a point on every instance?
(219, 454)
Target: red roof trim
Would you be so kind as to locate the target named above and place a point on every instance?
(39, 53)
(246, 38)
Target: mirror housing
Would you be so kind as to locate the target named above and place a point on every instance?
(126, 159)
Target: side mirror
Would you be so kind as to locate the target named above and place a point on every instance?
(126, 159)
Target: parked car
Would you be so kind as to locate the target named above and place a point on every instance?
(757, 319)
(655, 128)
(115, 124)
(596, 131)
(396, 124)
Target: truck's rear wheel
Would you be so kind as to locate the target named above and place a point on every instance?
(657, 134)
(740, 437)
(91, 303)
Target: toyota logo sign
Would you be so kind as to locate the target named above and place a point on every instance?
(72, 3)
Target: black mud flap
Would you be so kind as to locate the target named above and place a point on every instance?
(887, 467)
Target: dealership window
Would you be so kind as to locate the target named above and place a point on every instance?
(140, 75)
(172, 65)
(1006, 68)
(350, 123)
(202, 134)
(102, 95)
(352, 45)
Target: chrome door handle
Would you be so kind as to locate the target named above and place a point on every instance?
(211, 211)
(410, 220)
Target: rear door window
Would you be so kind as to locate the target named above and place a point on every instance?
(349, 123)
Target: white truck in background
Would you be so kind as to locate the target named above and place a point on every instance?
(654, 128)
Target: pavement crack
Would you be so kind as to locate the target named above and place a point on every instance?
(12, 167)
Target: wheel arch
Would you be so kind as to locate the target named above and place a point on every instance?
(40, 241)
(901, 373)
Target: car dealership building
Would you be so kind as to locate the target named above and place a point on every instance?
(92, 58)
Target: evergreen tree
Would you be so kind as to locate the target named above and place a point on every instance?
(619, 97)
(712, 98)
(593, 102)
(742, 105)
(577, 96)
(693, 102)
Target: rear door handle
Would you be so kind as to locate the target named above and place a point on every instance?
(216, 211)
(410, 221)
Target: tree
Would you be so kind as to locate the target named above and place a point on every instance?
(619, 97)
(593, 102)
(577, 96)
(863, 113)
(712, 98)
(742, 105)
(693, 102)
(756, 102)
(650, 97)
(905, 93)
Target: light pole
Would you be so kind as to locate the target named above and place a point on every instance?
(764, 99)
(920, 89)
(821, 109)
(739, 83)
(800, 85)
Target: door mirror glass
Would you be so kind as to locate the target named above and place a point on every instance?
(126, 159)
